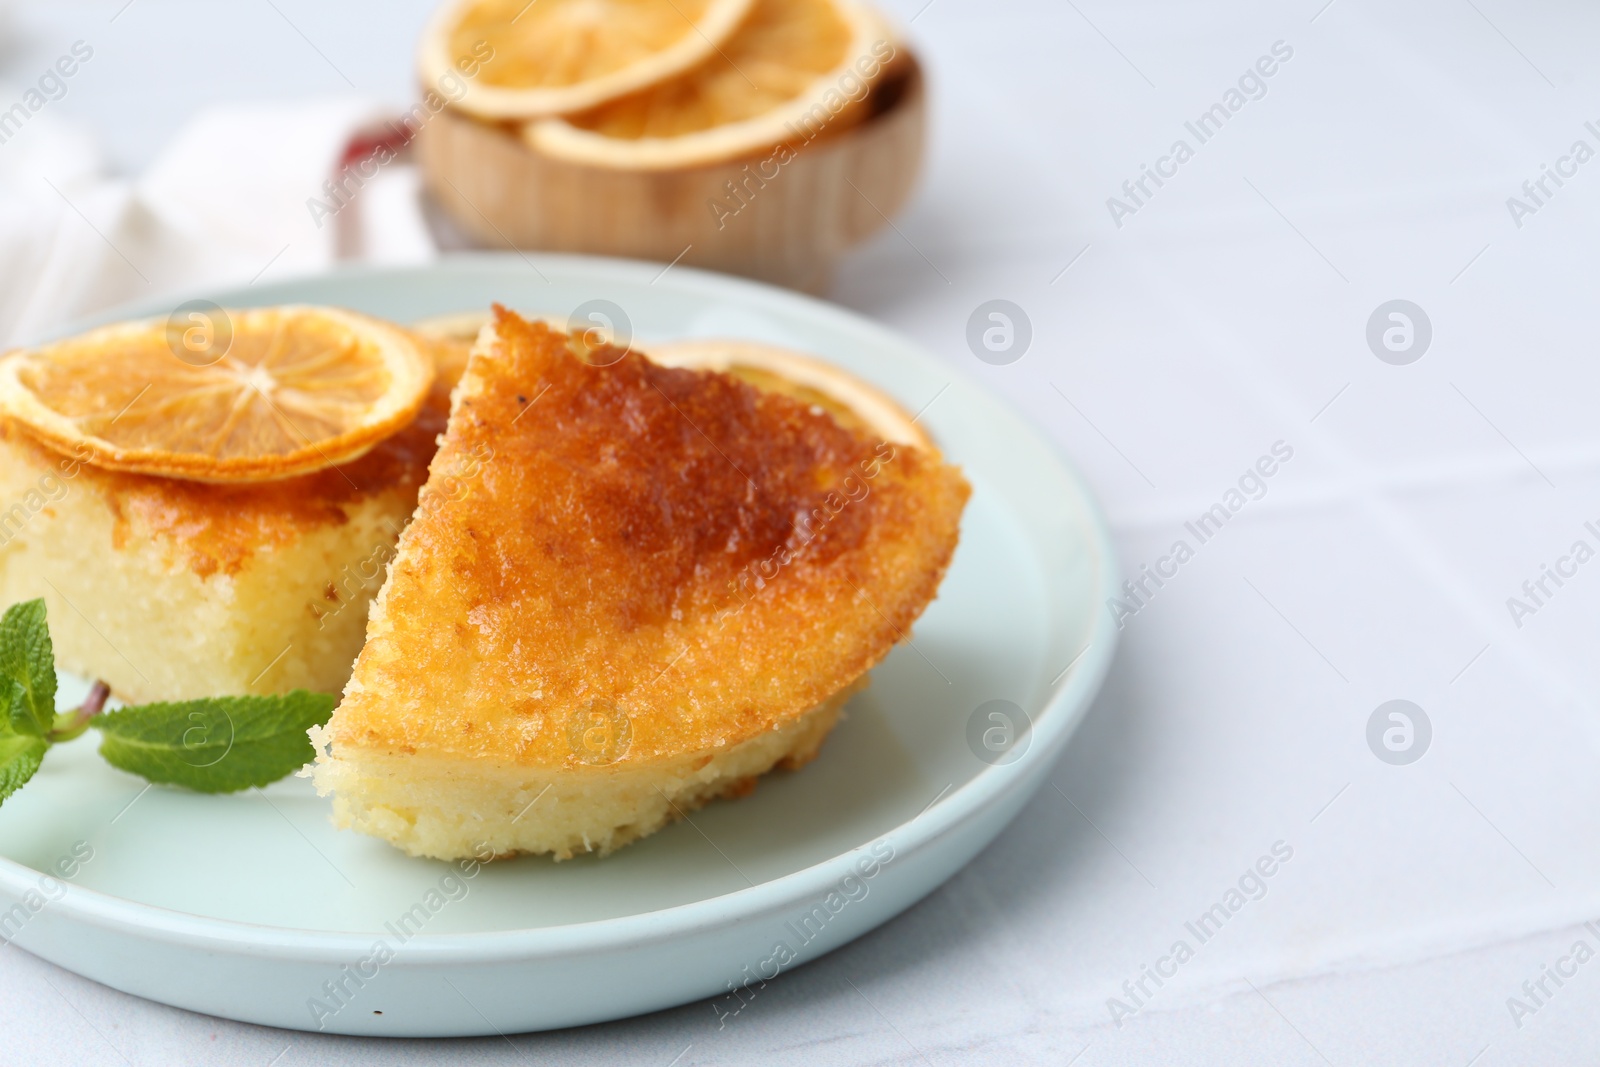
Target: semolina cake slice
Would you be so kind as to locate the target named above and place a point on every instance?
(169, 588)
(657, 584)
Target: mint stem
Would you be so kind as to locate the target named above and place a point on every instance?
(71, 724)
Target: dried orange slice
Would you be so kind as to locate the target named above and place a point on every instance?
(233, 396)
(794, 70)
(453, 326)
(852, 402)
(449, 339)
(520, 59)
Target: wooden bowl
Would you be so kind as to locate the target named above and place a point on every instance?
(784, 223)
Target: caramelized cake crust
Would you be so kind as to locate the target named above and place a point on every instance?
(670, 564)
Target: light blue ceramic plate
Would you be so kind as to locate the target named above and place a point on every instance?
(252, 907)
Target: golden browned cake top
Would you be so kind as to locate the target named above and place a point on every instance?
(219, 528)
(673, 555)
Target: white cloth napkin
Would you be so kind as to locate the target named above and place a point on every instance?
(227, 203)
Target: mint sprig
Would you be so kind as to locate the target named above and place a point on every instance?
(212, 745)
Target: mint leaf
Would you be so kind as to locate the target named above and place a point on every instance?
(218, 744)
(27, 658)
(19, 759)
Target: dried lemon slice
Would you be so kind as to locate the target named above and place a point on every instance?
(794, 70)
(449, 339)
(244, 396)
(520, 59)
(852, 402)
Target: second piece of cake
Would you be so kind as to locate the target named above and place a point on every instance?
(659, 584)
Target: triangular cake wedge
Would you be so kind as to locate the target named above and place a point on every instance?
(628, 589)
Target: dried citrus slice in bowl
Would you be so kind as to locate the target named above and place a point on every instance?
(260, 394)
(520, 59)
(794, 70)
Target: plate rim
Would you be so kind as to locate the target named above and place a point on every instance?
(1060, 713)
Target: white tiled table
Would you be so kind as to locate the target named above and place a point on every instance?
(1226, 314)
